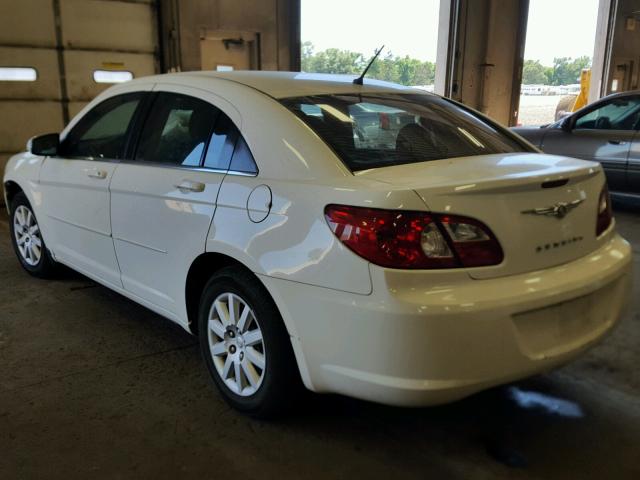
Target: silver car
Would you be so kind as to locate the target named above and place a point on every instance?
(605, 131)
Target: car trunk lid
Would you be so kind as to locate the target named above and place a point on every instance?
(515, 196)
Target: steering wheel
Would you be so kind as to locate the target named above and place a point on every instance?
(603, 123)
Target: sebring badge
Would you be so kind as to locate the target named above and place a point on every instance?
(559, 210)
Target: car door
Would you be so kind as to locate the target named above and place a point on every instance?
(163, 199)
(75, 187)
(602, 133)
(633, 167)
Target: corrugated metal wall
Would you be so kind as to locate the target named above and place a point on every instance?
(66, 41)
(275, 23)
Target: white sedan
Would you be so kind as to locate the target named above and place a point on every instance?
(375, 241)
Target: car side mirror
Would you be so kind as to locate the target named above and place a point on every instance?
(567, 125)
(44, 145)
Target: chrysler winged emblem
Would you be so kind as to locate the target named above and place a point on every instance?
(558, 210)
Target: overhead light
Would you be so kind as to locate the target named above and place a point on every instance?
(18, 74)
(111, 76)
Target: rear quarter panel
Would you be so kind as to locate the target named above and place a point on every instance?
(294, 241)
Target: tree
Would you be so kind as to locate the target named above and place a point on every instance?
(332, 60)
(384, 69)
(425, 74)
(410, 71)
(404, 70)
(567, 71)
(307, 49)
(534, 73)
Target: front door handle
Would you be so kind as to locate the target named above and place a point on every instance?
(617, 142)
(190, 186)
(101, 174)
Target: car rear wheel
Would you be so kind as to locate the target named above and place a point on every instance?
(245, 345)
(27, 240)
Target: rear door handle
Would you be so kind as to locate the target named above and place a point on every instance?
(101, 174)
(617, 142)
(190, 186)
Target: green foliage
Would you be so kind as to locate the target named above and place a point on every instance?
(332, 60)
(534, 73)
(402, 70)
(410, 71)
(565, 71)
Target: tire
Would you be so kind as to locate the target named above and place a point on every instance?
(250, 358)
(565, 104)
(27, 240)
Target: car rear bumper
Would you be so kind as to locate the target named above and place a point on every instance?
(428, 338)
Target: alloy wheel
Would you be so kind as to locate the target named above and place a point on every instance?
(236, 344)
(27, 235)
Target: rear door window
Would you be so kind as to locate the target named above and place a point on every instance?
(177, 130)
(242, 160)
(221, 145)
(228, 150)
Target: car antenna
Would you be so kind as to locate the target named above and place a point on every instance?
(360, 79)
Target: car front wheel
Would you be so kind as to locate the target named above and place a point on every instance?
(245, 345)
(27, 240)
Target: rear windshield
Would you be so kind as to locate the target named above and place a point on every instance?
(379, 130)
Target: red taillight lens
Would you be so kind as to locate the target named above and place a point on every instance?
(472, 240)
(604, 212)
(413, 240)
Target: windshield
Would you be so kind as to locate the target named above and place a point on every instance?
(379, 130)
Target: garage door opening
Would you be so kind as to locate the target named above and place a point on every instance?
(559, 47)
(341, 37)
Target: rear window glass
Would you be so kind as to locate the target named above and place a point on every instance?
(378, 130)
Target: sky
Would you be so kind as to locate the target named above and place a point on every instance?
(562, 28)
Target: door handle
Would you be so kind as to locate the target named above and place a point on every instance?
(190, 186)
(617, 142)
(101, 174)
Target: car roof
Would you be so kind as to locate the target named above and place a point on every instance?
(279, 84)
(629, 93)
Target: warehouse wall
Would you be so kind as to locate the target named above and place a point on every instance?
(625, 52)
(66, 41)
(186, 22)
(482, 49)
(616, 54)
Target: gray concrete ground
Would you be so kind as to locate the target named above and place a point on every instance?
(95, 386)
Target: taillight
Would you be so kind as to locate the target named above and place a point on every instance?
(604, 211)
(472, 240)
(414, 240)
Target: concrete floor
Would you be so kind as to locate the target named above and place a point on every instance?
(95, 386)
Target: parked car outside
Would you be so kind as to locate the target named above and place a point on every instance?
(375, 241)
(606, 131)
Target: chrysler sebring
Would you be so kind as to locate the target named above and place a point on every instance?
(370, 240)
